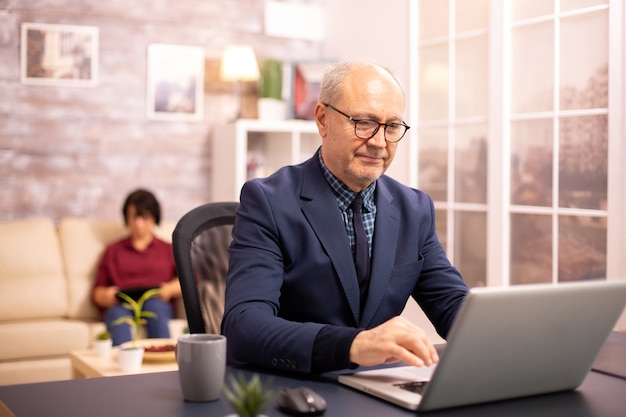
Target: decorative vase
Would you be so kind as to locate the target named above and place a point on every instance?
(130, 358)
(271, 109)
(103, 347)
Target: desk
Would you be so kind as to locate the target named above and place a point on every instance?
(159, 395)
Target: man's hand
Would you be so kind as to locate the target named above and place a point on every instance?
(393, 341)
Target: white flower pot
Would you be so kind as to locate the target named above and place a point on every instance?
(130, 358)
(103, 347)
(271, 109)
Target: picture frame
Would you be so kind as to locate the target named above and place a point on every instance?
(59, 55)
(175, 78)
(306, 78)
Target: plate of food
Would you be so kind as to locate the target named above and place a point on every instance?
(155, 350)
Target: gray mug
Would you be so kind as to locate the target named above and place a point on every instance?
(201, 360)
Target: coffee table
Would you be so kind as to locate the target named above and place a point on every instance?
(87, 363)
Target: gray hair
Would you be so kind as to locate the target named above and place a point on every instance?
(334, 77)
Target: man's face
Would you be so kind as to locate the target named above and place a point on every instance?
(368, 93)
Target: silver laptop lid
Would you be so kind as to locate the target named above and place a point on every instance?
(524, 340)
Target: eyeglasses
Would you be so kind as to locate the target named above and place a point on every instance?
(367, 129)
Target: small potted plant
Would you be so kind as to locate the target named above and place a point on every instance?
(130, 356)
(270, 105)
(103, 343)
(249, 398)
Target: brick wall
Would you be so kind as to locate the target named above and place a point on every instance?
(79, 150)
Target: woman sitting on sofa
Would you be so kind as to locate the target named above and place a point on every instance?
(135, 264)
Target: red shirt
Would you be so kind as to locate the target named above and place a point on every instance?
(126, 267)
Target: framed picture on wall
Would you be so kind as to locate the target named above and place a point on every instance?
(306, 78)
(59, 55)
(175, 88)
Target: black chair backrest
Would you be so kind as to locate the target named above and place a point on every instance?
(200, 242)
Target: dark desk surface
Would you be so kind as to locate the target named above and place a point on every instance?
(158, 394)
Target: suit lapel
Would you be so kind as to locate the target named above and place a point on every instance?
(383, 251)
(319, 203)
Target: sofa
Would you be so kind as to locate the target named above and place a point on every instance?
(46, 274)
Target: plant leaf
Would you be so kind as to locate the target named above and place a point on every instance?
(249, 398)
(136, 308)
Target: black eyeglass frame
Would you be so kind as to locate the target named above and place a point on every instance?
(355, 121)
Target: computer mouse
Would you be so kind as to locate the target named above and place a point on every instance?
(301, 401)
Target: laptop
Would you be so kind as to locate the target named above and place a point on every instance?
(507, 343)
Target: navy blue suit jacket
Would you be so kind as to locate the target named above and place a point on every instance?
(291, 269)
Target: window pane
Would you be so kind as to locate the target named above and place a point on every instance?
(584, 61)
(471, 164)
(470, 252)
(433, 89)
(433, 19)
(531, 162)
(532, 67)
(531, 249)
(433, 163)
(472, 77)
(524, 9)
(567, 5)
(583, 162)
(471, 14)
(582, 248)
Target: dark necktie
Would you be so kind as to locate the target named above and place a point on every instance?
(361, 247)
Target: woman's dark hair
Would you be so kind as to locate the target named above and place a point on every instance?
(145, 203)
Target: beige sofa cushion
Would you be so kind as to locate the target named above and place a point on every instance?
(41, 370)
(43, 338)
(83, 241)
(32, 283)
(164, 230)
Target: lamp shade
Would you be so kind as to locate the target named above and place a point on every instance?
(239, 64)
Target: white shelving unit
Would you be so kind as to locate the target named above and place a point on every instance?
(250, 148)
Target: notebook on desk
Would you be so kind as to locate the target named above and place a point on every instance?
(507, 343)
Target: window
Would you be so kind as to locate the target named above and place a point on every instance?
(519, 135)
(452, 121)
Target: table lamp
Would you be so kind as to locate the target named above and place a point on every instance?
(239, 64)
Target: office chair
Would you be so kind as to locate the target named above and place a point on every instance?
(200, 242)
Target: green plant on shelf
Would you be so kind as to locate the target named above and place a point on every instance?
(271, 81)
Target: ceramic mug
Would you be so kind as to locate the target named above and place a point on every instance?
(201, 360)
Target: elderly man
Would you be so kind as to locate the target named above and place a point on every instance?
(325, 254)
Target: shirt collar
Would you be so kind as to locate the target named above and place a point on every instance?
(344, 194)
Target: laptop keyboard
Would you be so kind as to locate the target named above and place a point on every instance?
(413, 386)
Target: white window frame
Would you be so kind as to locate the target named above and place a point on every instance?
(498, 184)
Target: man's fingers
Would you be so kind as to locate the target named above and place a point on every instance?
(393, 341)
(422, 350)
